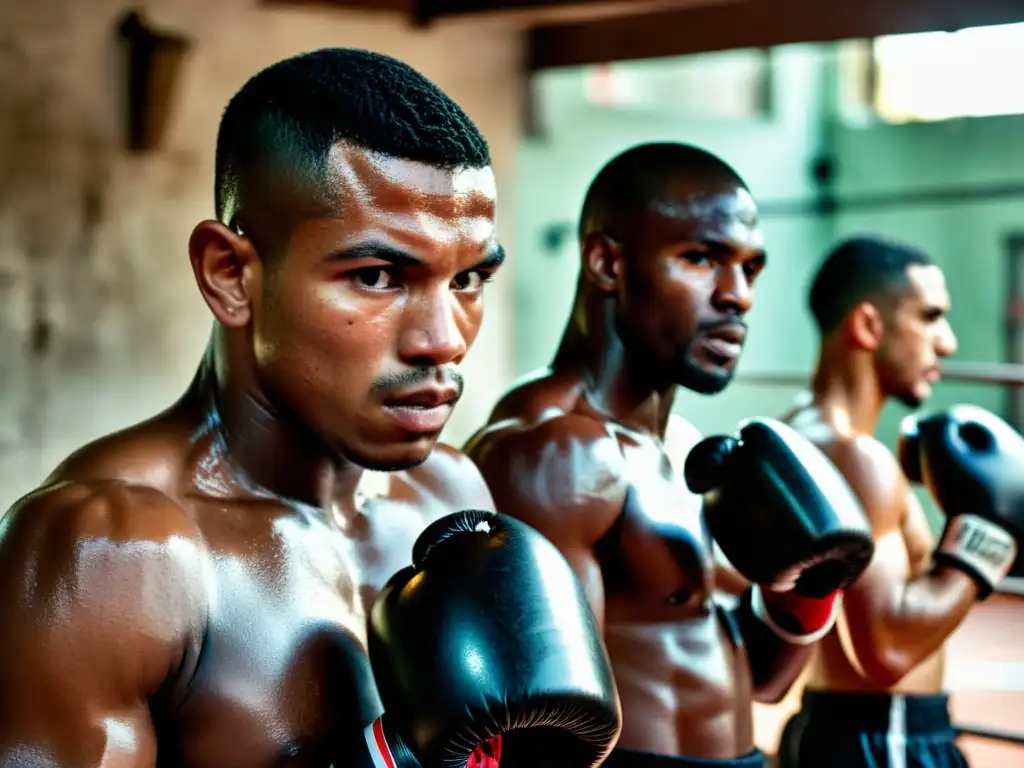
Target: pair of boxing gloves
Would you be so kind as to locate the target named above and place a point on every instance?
(788, 521)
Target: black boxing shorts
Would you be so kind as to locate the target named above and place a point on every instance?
(864, 730)
(628, 758)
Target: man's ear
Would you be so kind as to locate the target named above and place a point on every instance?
(602, 261)
(228, 271)
(866, 326)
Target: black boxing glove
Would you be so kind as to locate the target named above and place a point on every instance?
(972, 463)
(485, 652)
(786, 519)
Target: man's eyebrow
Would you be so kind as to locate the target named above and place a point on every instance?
(492, 260)
(728, 246)
(379, 251)
(400, 258)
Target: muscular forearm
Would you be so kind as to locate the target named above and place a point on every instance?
(774, 663)
(924, 612)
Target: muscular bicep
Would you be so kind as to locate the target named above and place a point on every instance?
(871, 602)
(876, 596)
(93, 622)
(564, 479)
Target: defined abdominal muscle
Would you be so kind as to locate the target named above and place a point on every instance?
(676, 683)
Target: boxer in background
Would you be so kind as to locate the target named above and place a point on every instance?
(874, 689)
(195, 591)
(589, 453)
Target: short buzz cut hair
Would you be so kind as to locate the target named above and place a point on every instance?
(282, 124)
(858, 269)
(637, 178)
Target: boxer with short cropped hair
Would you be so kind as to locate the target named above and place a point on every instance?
(196, 590)
(874, 691)
(589, 453)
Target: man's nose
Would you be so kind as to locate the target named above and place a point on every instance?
(946, 345)
(431, 334)
(733, 292)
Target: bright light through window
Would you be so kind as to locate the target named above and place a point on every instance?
(941, 75)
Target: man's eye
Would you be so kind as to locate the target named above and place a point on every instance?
(470, 281)
(376, 278)
(697, 258)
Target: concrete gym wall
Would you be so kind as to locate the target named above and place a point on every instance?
(774, 154)
(100, 321)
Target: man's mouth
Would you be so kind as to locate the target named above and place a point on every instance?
(423, 410)
(726, 341)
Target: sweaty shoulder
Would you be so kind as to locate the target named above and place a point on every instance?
(562, 470)
(149, 454)
(454, 479)
(112, 571)
(873, 474)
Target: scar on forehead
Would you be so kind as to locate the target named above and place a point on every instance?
(736, 203)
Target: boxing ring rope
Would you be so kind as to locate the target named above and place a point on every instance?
(993, 734)
(1005, 375)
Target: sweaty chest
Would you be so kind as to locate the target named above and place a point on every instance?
(283, 678)
(658, 551)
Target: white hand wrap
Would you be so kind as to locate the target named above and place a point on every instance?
(982, 548)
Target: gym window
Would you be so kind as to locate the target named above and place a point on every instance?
(933, 76)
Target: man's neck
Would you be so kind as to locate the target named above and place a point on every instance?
(265, 451)
(846, 390)
(616, 386)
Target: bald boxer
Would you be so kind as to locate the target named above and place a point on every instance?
(589, 453)
(874, 691)
(195, 591)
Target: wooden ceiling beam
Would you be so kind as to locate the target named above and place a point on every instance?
(755, 24)
(547, 12)
(526, 13)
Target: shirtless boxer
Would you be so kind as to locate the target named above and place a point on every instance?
(874, 689)
(194, 591)
(588, 453)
